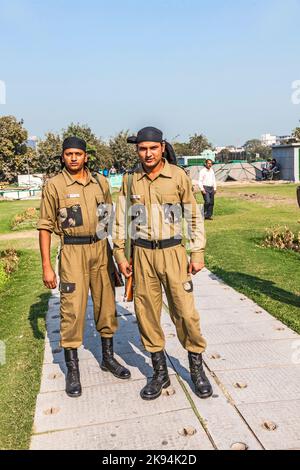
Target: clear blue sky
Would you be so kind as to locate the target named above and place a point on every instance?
(224, 68)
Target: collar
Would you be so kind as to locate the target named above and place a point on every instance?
(166, 171)
(70, 180)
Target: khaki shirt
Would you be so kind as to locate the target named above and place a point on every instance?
(69, 207)
(158, 207)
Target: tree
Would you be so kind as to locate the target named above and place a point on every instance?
(49, 153)
(252, 144)
(124, 154)
(198, 143)
(254, 147)
(100, 155)
(182, 148)
(15, 156)
(29, 163)
(296, 134)
(224, 155)
(50, 149)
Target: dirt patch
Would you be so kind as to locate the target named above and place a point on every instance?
(27, 240)
(223, 184)
(19, 235)
(268, 200)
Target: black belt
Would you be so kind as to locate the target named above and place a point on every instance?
(160, 244)
(87, 240)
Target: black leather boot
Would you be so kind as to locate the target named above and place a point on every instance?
(203, 387)
(160, 378)
(109, 363)
(73, 386)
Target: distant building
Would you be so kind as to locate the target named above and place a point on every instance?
(238, 153)
(288, 157)
(230, 153)
(283, 139)
(268, 140)
(197, 160)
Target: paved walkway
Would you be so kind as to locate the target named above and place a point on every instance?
(251, 360)
(19, 235)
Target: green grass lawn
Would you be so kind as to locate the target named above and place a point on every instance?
(8, 209)
(269, 276)
(23, 305)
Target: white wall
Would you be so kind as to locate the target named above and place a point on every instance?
(21, 194)
(35, 181)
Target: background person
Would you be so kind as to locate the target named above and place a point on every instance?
(208, 186)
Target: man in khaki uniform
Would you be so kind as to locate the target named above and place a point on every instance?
(159, 192)
(76, 207)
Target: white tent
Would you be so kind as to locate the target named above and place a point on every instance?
(237, 171)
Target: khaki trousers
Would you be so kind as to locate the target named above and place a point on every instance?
(167, 267)
(84, 267)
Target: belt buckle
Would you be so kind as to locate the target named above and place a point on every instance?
(92, 239)
(155, 244)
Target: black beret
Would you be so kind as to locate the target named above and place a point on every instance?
(74, 143)
(147, 134)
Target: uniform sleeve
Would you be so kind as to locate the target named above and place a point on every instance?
(106, 190)
(48, 209)
(195, 222)
(120, 224)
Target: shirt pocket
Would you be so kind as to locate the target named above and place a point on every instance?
(103, 208)
(70, 213)
(138, 209)
(172, 210)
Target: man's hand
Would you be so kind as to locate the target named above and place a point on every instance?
(194, 268)
(203, 191)
(125, 269)
(49, 278)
